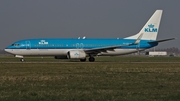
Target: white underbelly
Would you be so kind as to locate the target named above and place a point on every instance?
(119, 52)
(38, 51)
(56, 52)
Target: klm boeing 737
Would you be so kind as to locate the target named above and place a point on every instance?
(75, 48)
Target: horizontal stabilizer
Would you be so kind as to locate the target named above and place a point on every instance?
(157, 41)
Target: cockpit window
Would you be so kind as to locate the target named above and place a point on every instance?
(15, 45)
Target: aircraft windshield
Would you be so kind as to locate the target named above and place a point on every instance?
(15, 45)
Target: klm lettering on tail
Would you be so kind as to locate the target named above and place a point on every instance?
(151, 28)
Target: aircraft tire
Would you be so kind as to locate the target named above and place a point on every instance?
(22, 60)
(91, 59)
(83, 60)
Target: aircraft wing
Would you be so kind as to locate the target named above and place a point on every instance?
(108, 48)
(111, 48)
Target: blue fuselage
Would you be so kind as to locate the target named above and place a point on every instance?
(87, 47)
(78, 44)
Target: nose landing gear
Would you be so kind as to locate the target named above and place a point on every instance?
(22, 59)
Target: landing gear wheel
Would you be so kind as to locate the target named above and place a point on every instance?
(22, 60)
(83, 60)
(91, 59)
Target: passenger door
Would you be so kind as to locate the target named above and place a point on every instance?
(28, 45)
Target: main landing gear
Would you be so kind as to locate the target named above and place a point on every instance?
(83, 60)
(91, 59)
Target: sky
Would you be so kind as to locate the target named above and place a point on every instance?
(26, 19)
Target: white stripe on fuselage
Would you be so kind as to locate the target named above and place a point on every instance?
(56, 52)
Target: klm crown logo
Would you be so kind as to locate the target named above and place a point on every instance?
(43, 42)
(76, 54)
(151, 28)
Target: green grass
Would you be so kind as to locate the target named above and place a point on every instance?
(98, 59)
(99, 81)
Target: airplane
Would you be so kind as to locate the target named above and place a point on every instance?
(81, 48)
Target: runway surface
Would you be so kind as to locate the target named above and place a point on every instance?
(90, 62)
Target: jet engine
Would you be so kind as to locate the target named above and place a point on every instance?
(76, 54)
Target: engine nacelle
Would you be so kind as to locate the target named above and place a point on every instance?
(60, 57)
(76, 54)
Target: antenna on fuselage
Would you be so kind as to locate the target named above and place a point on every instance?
(84, 37)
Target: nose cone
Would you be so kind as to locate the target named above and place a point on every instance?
(8, 49)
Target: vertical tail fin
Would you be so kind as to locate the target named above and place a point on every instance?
(151, 28)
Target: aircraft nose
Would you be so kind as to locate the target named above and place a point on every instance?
(7, 50)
